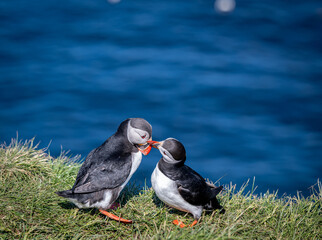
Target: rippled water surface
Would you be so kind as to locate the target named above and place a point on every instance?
(241, 90)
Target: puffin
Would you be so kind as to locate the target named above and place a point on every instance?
(108, 168)
(179, 186)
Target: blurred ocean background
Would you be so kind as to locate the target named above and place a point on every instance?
(238, 83)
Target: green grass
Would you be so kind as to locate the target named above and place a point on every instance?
(29, 208)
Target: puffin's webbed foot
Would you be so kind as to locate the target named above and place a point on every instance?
(193, 223)
(179, 223)
(114, 217)
(182, 225)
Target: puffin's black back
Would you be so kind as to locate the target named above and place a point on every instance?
(106, 167)
(108, 155)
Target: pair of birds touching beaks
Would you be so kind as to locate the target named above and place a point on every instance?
(108, 168)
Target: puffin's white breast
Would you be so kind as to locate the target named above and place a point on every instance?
(166, 189)
(136, 161)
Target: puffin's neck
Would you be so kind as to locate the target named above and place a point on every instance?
(122, 129)
(168, 168)
(119, 138)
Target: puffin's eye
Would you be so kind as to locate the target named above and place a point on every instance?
(164, 153)
(143, 136)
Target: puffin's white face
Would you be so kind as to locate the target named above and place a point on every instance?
(166, 155)
(137, 136)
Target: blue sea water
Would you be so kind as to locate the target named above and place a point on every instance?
(241, 90)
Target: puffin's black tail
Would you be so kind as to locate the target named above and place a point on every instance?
(65, 194)
(216, 191)
(213, 203)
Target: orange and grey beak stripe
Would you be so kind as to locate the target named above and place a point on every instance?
(154, 144)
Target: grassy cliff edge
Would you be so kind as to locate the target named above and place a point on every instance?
(30, 209)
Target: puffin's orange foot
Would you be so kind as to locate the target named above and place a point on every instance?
(182, 225)
(194, 223)
(179, 223)
(114, 206)
(116, 218)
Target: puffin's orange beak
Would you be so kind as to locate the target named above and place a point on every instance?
(153, 143)
(146, 151)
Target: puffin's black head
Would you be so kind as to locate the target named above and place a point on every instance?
(138, 131)
(172, 150)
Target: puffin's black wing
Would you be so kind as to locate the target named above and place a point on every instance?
(99, 172)
(192, 187)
